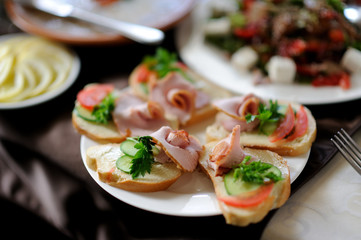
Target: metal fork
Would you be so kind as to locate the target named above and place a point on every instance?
(348, 148)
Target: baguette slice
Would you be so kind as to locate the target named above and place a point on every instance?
(254, 139)
(102, 159)
(244, 216)
(201, 84)
(102, 133)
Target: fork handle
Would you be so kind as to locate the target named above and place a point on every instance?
(138, 33)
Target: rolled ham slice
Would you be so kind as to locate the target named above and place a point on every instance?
(227, 153)
(135, 117)
(236, 109)
(183, 149)
(177, 96)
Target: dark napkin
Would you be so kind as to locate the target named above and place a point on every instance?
(46, 192)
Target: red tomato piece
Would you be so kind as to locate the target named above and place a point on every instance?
(336, 35)
(246, 32)
(342, 80)
(93, 95)
(285, 126)
(249, 199)
(345, 82)
(143, 74)
(307, 70)
(297, 47)
(301, 124)
(247, 4)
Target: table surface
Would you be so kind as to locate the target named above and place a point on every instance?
(43, 180)
(326, 207)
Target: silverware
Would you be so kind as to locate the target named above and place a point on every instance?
(348, 148)
(61, 8)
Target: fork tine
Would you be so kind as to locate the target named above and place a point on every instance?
(347, 153)
(354, 144)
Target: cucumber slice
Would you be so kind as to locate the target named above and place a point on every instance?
(124, 163)
(127, 147)
(237, 186)
(84, 114)
(269, 127)
(144, 88)
(282, 109)
(273, 169)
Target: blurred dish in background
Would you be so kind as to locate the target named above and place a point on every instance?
(216, 65)
(33, 70)
(161, 14)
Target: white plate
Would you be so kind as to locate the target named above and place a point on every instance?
(192, 195)
(212, 64)
(72, 76)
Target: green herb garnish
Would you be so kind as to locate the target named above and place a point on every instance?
(103, 111)
(337, 5)
(143, 159)
(164, 62)
(266, 114)
(257, 172)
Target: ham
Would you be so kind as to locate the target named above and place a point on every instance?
(178, 96)
(227, 153)
(183, 149)
(236, 109)
(135, 117)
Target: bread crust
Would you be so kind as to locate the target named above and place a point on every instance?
(102, 133)
(102, 159)
(254, 139)
(244, 216)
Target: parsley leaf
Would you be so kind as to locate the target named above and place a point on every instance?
(143, 159)
(337, 5)
(266, 114)
(103, 111)
(164, 62)
(257, 172)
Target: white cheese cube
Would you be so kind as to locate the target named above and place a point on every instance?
(281, 69)
(351, 60)
(244, 58)
(218, 26)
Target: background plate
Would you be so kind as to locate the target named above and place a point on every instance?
(161, 14)
(213, 65)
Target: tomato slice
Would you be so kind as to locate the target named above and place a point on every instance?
(301, 124)
(285, 127)
(246, 32)
(143, 74)
(342, 80)
(345, 82)
(93, 95)
(249, 199)
(336, 35)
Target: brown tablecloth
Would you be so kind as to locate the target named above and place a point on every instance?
(45, 191)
